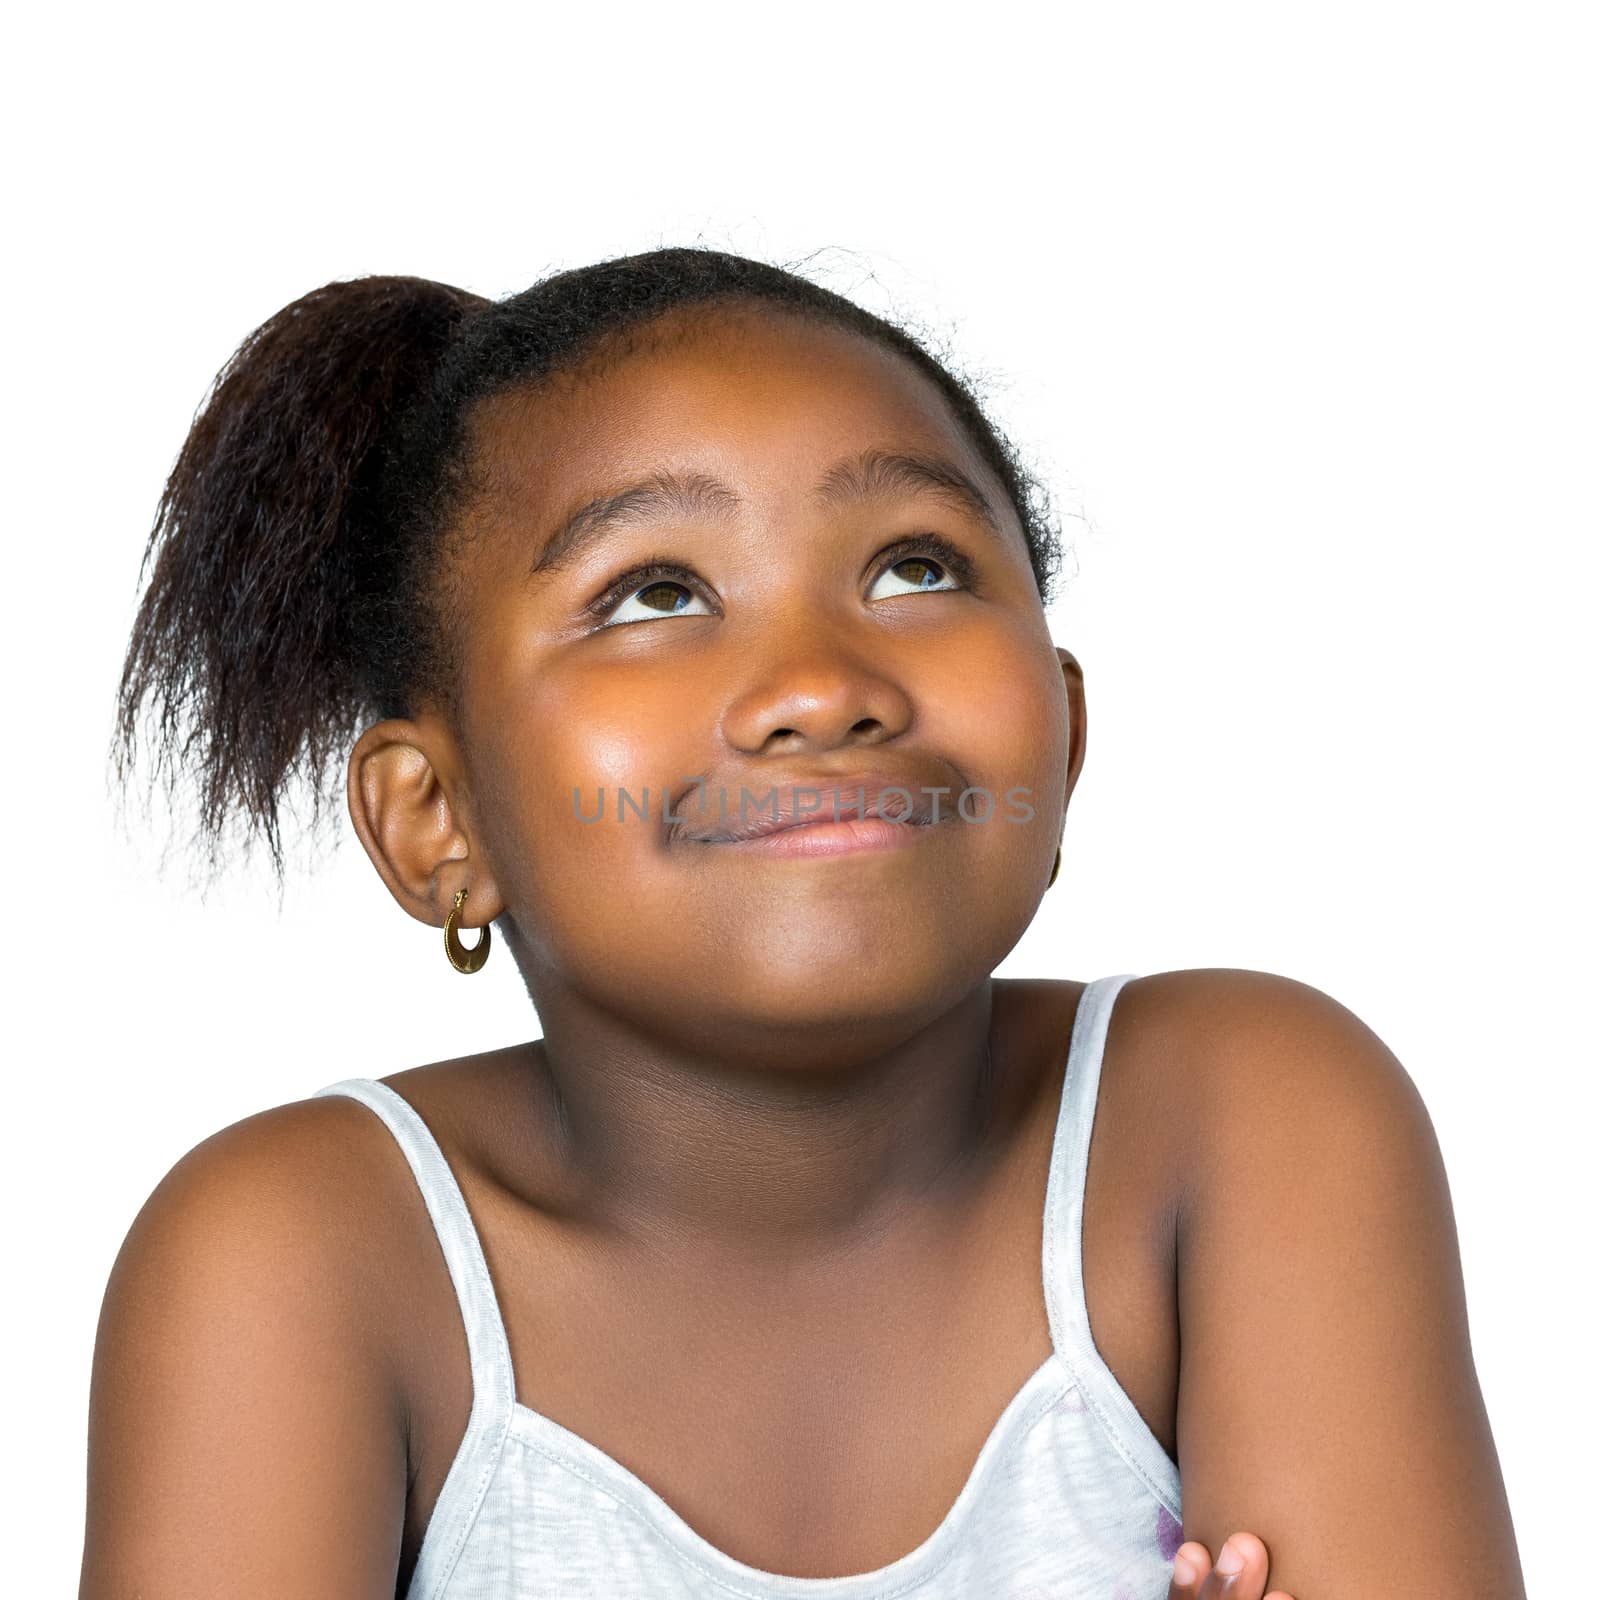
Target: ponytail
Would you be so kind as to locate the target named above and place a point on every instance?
(268, 551)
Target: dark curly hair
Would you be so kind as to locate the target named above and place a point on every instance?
(296, 558)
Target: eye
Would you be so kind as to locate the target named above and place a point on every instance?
(932, 562)
(662, 588)
(652, 591)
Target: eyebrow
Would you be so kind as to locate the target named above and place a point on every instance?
(874, 474)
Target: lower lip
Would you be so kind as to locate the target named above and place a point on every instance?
(830, 838)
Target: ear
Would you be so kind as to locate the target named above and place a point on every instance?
(411, 819)
(1078, 713)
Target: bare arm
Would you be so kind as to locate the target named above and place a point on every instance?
(1327, 1395)
(243, 1438)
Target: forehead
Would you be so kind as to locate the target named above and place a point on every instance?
(759, 397)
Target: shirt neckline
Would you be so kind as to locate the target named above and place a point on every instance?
(577, 1455)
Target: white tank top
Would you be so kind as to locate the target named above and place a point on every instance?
(1070, 1498)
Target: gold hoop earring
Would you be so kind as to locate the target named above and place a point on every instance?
(461, 958)
(1056, 868)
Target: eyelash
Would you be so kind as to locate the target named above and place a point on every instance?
(949, 556)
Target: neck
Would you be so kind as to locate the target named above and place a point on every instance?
(773, 1143)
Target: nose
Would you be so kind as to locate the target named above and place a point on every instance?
(813, 696)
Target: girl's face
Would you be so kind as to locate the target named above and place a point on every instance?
(788, 643)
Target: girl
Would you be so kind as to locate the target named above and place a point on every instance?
(684, 624)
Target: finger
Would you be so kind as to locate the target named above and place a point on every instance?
(1240, 1572)
(1191, 1561)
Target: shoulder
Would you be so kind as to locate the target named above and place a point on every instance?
(242, 1383)
(279, 1167)
(1206, 1059)
(1297, 1119)
(1273, 1121)
(1320, 1295)
(303, 1222)
(1247, 1055)
(271, 1210)
(316, 1195)
(1265, 1090)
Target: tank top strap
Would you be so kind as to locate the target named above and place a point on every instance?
(1065, 1301)
(488, 1351)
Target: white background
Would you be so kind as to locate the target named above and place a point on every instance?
(1296, 309)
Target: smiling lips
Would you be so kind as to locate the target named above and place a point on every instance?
(827, 816)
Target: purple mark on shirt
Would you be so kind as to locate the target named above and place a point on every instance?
(1070, 1401)
(1169, 1534)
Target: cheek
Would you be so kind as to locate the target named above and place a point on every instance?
(566, 749)
(1000, 712)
